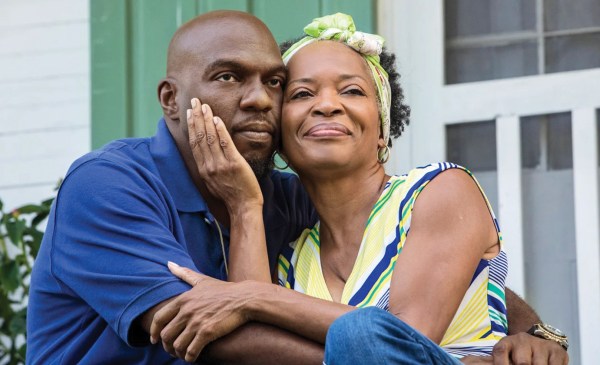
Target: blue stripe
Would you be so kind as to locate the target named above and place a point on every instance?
(384, 301)
(498, 327)
(480, 267)
(466, 351)
(391, 250)
(497, 279)
(486, 334)
(418, 185)
(497, 225)
(290, 277)
(499, 268)
(497, 304)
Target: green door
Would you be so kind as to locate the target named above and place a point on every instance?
(129, 47)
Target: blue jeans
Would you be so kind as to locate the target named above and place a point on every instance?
(374, 336)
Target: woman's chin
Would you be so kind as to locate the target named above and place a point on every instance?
(311, 164)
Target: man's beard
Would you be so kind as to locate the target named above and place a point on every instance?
(261, 167)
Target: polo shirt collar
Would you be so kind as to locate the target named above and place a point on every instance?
(173, 171)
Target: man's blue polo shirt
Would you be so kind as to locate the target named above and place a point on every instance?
(121, 213)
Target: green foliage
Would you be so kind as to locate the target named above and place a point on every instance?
(20, 239)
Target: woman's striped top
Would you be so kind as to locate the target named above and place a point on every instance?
(480, 321)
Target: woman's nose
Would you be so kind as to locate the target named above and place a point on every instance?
(328, 104)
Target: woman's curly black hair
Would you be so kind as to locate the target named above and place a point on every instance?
(399, 112)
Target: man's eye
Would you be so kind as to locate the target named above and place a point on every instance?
(227, 78)
(275, 83)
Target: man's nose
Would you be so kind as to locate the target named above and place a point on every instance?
(257, 97)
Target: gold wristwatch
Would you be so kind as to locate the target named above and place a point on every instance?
(548, 332)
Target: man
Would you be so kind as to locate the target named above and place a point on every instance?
(124, 210)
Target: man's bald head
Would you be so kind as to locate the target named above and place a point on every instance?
(219, 25)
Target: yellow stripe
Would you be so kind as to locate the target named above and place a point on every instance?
(478, 336)
(469, 317)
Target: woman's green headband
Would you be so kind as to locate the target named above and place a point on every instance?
(340, 27)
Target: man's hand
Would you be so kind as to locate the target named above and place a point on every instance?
(522, 349)
(210, 310)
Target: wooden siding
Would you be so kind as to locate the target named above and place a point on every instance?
(44, 95)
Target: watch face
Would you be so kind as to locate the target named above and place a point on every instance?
(554, 330)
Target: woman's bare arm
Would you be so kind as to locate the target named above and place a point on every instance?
(451, 230)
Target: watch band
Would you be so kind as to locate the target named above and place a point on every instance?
(547, 332)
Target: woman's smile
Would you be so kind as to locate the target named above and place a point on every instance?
(328, 129)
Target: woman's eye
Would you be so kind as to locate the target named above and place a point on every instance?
(301, 94)
(355, 92)
(227, 78)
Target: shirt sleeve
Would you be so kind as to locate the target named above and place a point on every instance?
(114, 232)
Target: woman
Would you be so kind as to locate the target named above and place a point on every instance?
(424, 247)
(332, 139)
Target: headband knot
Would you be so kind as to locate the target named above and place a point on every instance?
(340, 28)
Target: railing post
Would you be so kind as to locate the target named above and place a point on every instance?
(587, 231)
(508, 141)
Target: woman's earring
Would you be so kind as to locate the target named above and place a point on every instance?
(383, 154)
(274, 160)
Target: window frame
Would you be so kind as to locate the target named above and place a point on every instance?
(539, 35)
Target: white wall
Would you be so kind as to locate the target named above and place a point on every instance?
(44, 95)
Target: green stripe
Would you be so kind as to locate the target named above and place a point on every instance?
(496, 290)
(412, 200)
(390, 190)
(498, 318)
(283, 264)
(384, 199)
(315, 237)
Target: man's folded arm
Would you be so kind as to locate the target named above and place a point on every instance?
(253, 343)
(521, 317)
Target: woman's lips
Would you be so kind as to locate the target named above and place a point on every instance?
(328, 130)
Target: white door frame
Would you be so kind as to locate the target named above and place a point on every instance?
(415, 32)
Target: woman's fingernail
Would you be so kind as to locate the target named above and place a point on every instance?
(171, 263)
(189, 113)
(204, 109)
(216, 120)
(152, 340)
(194, 101)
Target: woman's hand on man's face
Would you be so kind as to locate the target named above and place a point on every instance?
(222, 168)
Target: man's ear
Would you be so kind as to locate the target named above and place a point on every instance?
(167, 91)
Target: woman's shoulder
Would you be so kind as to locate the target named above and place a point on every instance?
(421, 175)
(433, 169)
